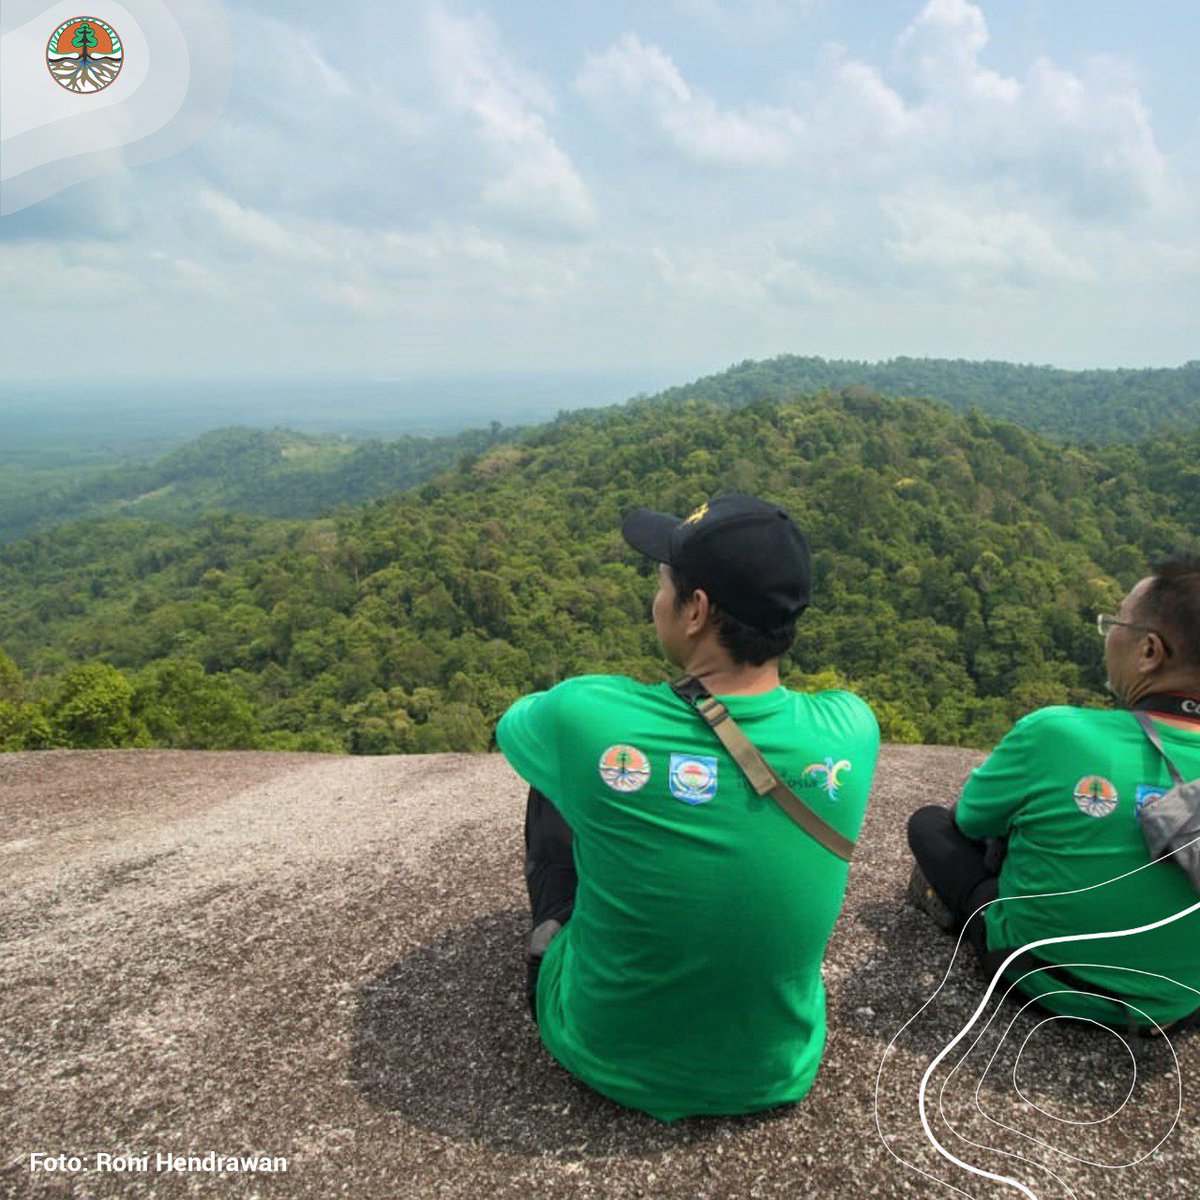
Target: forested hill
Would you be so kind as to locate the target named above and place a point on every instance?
(283, 473)
(1071, 406)
(273, 473)
(959, 563)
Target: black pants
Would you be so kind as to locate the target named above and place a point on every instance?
(964, 872)
(549, 861)
(549, 875)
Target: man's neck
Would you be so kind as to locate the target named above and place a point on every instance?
(723, 677)
(1181, 686)
(1188, 687)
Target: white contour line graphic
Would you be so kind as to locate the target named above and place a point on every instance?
(1046, 1145)
(1078, 937)
(1065, 1016)
(987, 995)
(950, 968)
(1116, 1112)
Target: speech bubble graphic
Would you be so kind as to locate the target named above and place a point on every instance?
(175, 72)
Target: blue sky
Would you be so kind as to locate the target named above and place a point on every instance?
(415, 188)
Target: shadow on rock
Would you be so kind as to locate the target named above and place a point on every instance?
(901, 960)
(444, 1038)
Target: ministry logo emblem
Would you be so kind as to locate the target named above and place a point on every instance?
(84, 55)
(693, 778)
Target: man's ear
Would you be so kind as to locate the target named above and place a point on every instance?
(1154, 653)
(699, 609)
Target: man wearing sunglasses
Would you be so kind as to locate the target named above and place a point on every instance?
(1046, 841)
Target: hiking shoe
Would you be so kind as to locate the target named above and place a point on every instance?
(921, 894)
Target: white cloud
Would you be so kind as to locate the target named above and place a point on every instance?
(634, 84)
(1085, 141)
(532, 178)
(407, 181)
(972, 239)
(742, 271)
(258, 231)
(1092, 139)
(943, 46)
(71, 277)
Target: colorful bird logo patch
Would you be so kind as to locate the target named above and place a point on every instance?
(624, 768)
(1095, 796)
(829, 773)
(693, 778)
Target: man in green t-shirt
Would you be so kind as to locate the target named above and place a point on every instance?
(1065, 789)
(679, 917)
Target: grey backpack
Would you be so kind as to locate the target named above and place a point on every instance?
(1171, 822)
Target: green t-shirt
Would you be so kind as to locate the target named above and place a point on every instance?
(1066, 786)
(688, 979)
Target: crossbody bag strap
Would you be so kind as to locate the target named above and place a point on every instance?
(756, 768)
(1151, 731)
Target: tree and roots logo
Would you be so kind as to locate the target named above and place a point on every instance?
(1095, 796)
(84, 55)
(624, 768)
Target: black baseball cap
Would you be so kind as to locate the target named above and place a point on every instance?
(744, 552)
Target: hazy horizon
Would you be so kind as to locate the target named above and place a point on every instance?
(149, 416)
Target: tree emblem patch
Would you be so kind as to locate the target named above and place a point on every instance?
(84, 55)
(1095, 796)
(624, 768)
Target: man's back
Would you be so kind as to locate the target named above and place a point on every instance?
(688, 978)
(1068, 785)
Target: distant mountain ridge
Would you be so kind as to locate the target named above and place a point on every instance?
(265, 472)
(1093, 406)
(284, 473)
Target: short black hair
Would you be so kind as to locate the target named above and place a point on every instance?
(1172, 602)
(744, 643)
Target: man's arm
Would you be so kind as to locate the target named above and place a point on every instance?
(996, 790)
(528, 736)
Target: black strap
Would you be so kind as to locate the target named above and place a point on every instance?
(757, 770)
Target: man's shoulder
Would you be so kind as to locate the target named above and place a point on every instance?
(1057, 718)
(845, 705)
(601, 685)
(836, 698)
(582, 693)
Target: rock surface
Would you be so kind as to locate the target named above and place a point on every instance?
(320, 958)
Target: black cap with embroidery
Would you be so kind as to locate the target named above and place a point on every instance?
(745, 553)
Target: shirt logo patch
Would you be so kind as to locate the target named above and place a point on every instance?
(624, 768)
(829, 773)
(1147, 793)
(1095, 796)
(693, 778)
